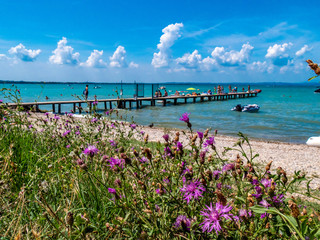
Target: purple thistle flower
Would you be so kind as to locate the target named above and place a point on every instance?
(264, 203)
(278, 199)
(179, 146)
(182, 222)
(219, 185)
(112, 125)
(193, 190)
(228, 167)
(185, 117)
(243, 213)
(68, 146)
(107, 113)
(113, 143)
(259, 192)
(216, 174)
(266, 182)
(30, 126)
(133, 126)
(168, 151)
(160, 191)
(200, 135)
(116, 162)
(209, 142)
(1, 101)
(144, 160)
(66, 133)
(77, 133)
(142, 132)
(203, 155)
(91, 150)
(95, 102)
(166, 137)
(47, 114)
(93, 120)
(56, 117)
(166, 180)
(255, 182)
(214, 215)
(112, 190)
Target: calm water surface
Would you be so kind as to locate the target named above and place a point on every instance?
(288, 113)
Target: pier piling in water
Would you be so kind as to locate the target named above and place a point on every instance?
(122, 103)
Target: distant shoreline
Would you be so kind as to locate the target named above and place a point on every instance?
(305, 83)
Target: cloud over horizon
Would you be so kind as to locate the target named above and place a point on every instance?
(95, 60)
(170, 34)
(118, 59)
(24, 54)
(63, 54)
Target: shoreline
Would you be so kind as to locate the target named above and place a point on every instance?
(291, 157)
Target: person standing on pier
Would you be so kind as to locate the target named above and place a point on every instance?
(248, 88)
(86, 92)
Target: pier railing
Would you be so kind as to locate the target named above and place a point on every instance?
(129, 103)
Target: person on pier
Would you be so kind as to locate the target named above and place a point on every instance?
(165, 93)
(86, 92)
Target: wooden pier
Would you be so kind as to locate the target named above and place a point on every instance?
(129, 103)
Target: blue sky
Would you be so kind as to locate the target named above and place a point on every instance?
(158, 41)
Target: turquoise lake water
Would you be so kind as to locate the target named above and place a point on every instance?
(288, 113)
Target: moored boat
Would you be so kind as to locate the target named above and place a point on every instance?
(314, 141)
(252, 108)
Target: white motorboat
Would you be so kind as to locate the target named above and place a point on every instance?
(314, 141)
(252, 108)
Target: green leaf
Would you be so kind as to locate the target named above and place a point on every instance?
(259, 209)
(317, 234)
(312, 78)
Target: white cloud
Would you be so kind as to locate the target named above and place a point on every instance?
(118, 58)
(63, 54)
(277, 50)
(303, 50)
(277, 53)
(232, 58)
(95, 60)
(3, 57)
(133, 65)
(170, 34)
(24, 54)
(208, 64)
(190, 60)
(261, 67)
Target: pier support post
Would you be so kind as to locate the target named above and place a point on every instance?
(137, 103)
(185, 100)
(209, 98)
(110, 103)
(201, 99)
(130, 104)
(105, 105)
(74, 107)
(164, 102)
(59, 108)
(80, 108)
(175, 101)
(194, 99)
(53, 108)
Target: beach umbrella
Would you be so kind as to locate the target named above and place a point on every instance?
(191, 88)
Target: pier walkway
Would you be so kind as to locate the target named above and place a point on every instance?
(129, 103)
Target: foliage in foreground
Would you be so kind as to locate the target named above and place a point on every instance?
(62, 178)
